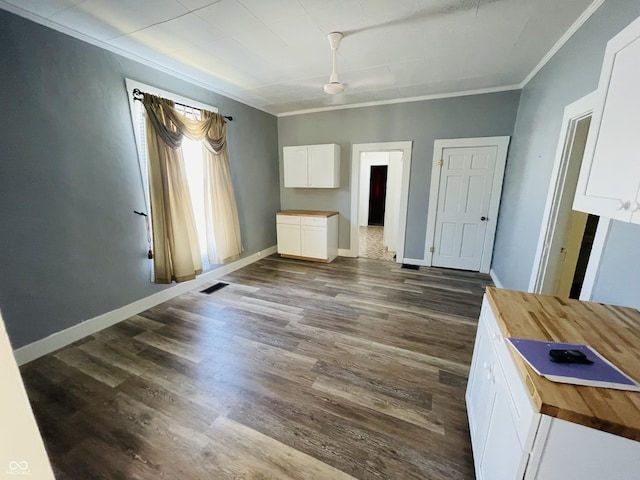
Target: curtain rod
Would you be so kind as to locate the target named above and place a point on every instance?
(137, 95)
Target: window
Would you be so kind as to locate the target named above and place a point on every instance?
(191, 150)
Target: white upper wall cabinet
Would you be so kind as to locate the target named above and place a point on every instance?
(312, 166)
(609, 179)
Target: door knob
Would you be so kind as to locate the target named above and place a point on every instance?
(483, 219)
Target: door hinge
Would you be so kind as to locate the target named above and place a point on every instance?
(432, 249)
(440, 162)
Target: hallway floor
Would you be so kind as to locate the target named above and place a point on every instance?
(370, 240)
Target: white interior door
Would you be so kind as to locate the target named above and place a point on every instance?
(464, 195)
(569, 254)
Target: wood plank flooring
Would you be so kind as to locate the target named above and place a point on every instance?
(296, 370)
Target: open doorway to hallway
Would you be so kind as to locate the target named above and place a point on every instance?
(396, 229)
(571, 242)
(379, 204)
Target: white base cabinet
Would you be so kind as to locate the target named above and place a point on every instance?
(308, 237)
(512, 440)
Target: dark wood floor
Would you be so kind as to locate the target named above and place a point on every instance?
(356, 369)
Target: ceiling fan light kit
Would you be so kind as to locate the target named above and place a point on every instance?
(334, 86)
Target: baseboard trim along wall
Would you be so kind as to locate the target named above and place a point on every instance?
(345, 252)
(495, 278)
(65, 337)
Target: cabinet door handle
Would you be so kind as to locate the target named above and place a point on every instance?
(623, 205)
(635, 207)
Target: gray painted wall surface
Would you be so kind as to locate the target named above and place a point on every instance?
(70, 247)
(572, 73)
(422, 122)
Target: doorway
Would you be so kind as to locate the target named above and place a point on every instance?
(466, 183)
(380, 180)
(382, 200)
(377, 194)
(570, 241)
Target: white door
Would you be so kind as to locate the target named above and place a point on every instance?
(569, 253)
(464, 195)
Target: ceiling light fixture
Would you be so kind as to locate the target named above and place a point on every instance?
(334, 86)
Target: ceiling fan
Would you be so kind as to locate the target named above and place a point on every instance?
(334, 86)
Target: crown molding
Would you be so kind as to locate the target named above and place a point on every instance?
(403, 100)
(203, 84)
(564, 39)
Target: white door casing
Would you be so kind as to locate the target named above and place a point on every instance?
(392, 202)
(540, 274)
(358, 148)
(463, 191)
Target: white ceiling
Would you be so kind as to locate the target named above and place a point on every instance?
(274, 55)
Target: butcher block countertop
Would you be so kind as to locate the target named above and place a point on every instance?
(308, 213)
(613, 331)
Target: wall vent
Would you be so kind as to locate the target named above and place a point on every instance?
(214, 288)
(410, 267)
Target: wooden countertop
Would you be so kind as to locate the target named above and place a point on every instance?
(613, 331)
(308, 213)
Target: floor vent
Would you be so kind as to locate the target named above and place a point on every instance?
(214, 288)
(410, 267)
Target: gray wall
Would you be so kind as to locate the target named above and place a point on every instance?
(70, 247)
(572, 73)
(422, 122)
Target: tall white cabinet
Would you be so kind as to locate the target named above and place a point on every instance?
(312, 166)
(609, 182)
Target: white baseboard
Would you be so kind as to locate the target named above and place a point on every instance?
(345, 252)
(69, 335)
(415, 261)
(495, 278)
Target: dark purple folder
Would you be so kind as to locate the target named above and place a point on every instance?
(601, 373)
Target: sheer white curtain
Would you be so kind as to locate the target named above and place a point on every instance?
(223, 228)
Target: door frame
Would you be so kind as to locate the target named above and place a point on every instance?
(359, 148)
(540, 275)
(492, 218)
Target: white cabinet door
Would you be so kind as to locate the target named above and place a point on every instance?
(502, 457)
(323, 166)
(314, 241)
(610, 174)
(295, 167)
(288, 239)
(480, 393)
(312, 166)
(494, 421)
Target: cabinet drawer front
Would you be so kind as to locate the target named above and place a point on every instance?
(314, 221)
(288, 219)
